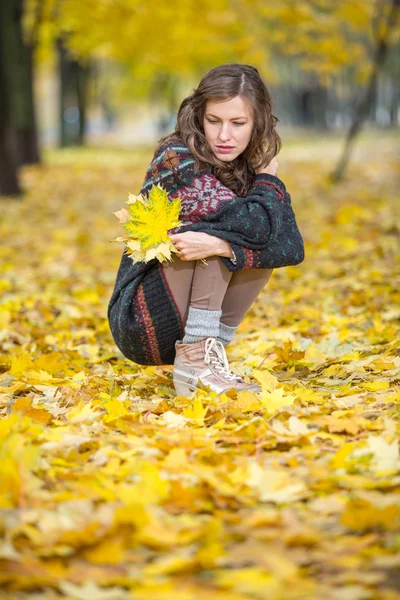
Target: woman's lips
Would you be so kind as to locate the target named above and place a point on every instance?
(225, 149)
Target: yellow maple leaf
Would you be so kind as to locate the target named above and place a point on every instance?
(276, 399)
(176, 459)
(246, 402)
(360, 515)
(83, 412)
(152, 488)
(267, 381)
(108, 551)
(161, 252)
(19, 364)
(115, 410)
(147, 224)
(375, 386)
(196, 412)
(36, 413)
(151, 220)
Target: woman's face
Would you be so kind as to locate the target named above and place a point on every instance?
(227, 127)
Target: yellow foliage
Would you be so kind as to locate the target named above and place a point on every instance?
(112, 487)
(147, 224)
(196, 412)
(329, 36)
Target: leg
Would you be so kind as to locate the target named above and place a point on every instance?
(209, 286)
(243, 289)
(179, 276)
(193, 283)
(200, 357)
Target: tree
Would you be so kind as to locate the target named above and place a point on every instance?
(73, 78)
(384, 29)
(18, 137)
(8, 164)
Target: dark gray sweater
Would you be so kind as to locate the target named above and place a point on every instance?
(260, 227)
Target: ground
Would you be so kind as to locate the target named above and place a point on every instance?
(113, 488)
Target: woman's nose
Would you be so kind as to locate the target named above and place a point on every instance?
(224, 133)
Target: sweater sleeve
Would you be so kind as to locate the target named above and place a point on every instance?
(258, 216)
(249, 258)
(260, 228)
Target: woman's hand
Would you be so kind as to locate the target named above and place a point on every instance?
(193, 245)
(271, 168)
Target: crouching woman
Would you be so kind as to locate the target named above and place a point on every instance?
(236, 214)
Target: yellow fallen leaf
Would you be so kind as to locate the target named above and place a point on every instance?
(336, 425)
(245, 401)
(90, 591)
(274, 485)
(37, 414)
(314, 355)
(83, 412)
(196, 412)
(20, 364)
(380, 365)
(38, 376)
(176, 459)
(276, 399)
(109, 551)
(248, 580)
(172, 419)
(361, 515)
(115, 410)
(16, 387)
(267, 381)
(386, 455)
(375, 386)
(157, 535)
(151, 487)
(175, 563)
(297, 427)
(338, 461)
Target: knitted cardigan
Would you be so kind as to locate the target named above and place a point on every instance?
(261, 228)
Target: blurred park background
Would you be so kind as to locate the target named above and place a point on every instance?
(113, 72)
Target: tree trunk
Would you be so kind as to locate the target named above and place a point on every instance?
(19, 75)
(29, 134)
(72, 98)
(82, 76)
(9, 185)
(363, 107)
(394, 103)
(8, 165)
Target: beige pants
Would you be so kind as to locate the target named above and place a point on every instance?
(214, 287)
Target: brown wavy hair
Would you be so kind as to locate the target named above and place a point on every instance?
(223, 83)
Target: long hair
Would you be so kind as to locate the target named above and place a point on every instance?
(223, 83)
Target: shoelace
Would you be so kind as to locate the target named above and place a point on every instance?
(216, 355)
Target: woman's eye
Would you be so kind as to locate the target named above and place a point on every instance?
(209, 120)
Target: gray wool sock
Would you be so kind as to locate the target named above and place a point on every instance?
(201, 324)
(226, 333)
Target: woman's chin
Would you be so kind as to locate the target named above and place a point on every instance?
(225, 158)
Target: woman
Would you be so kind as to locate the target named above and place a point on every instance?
(236, 214)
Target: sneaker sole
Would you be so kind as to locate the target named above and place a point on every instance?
(183, 389)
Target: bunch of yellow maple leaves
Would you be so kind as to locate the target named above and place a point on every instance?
(147, 222)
